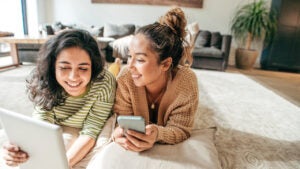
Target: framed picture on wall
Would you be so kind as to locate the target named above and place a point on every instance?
(182, 3)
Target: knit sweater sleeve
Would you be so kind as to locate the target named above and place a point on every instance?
(123, 101)
(181, 112)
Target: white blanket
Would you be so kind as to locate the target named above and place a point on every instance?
(120, 47)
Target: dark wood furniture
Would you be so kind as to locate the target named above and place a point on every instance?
(284, 51)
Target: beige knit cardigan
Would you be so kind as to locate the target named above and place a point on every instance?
(176, 110)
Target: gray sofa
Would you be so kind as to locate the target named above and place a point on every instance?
(116, 33)
(106, 35)
(211, 50)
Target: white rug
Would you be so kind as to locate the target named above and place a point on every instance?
(256, 128)
(13, 90)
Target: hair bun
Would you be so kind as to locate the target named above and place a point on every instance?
(175, 19)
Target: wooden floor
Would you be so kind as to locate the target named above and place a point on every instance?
(285, 84)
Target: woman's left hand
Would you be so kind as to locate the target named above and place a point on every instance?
(139, 141)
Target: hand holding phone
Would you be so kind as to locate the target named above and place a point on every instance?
(136, 123)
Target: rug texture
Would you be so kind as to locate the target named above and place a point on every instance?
(13, 90)
(256, 128)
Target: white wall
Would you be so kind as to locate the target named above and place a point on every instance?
(11, 16)
(214, 16)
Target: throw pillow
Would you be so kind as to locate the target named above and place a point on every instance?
(198, 151)
(118, 31)
(58, 26)
(216, 40)
(96, 31)
(192, 30)
(203, 39)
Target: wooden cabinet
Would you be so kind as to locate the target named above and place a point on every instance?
(283, 53)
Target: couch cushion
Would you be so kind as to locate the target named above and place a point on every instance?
(96, 31)
(118, 31)
(216, 40)
(93, 30)
(58, 26)
(203, 39)
(207, 52)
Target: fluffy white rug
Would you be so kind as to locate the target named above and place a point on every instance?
(256, 128)
(13, 90)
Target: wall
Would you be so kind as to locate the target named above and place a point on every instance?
(215, 14)
(11, 16)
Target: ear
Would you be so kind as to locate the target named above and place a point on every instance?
(166, 64)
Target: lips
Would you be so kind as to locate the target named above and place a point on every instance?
(73, 84)
(135, 76)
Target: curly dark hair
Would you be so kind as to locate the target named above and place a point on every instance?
(167, 35)
(42, 88)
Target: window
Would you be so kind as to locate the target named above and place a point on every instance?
(11, 16)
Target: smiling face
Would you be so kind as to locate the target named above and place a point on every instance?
(73, 70)
(143, 63)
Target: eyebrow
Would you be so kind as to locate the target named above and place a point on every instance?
(139, 53)
(65, 62)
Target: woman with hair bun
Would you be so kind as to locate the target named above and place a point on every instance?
(156, 87)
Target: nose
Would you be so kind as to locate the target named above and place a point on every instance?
(73, 75)
(130, 62)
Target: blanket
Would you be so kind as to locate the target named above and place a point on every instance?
(120, 47)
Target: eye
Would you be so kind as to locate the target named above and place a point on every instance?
(83, 68)
(140, 60)
(64, 68)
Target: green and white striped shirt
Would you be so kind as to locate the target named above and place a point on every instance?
(88, 112)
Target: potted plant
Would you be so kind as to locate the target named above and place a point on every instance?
(250, 23)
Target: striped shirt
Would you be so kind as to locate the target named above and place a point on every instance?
(87, 112)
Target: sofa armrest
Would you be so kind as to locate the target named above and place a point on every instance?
(226, 44)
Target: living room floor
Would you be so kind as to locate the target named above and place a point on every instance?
(285, 84)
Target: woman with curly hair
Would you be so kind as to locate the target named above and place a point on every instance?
(70, 87)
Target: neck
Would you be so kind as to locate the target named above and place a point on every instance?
(155, 89)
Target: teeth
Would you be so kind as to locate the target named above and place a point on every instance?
(73, 84)
(135, 76)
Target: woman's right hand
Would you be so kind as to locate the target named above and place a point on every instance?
(119, 136)
(13, 155)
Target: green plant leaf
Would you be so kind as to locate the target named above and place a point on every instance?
(254, 19)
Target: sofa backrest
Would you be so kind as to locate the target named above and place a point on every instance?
(208, 39)
(118, 31)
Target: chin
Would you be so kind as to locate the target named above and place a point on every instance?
(139, 84)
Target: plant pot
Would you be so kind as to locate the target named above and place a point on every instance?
(245, 59)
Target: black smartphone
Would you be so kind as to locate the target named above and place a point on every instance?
(136, 123)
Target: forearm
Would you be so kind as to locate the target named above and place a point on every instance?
(79, 149)
(173, 135)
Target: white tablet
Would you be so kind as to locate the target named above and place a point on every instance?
(41, 140)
